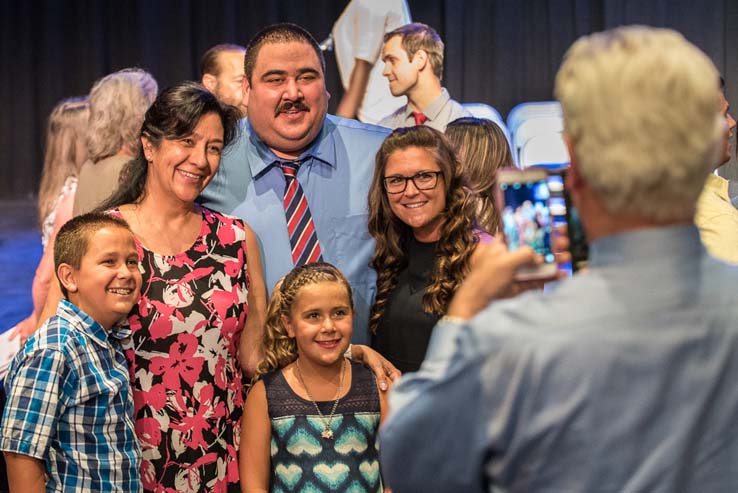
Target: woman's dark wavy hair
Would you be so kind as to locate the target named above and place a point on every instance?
(457, 240)
(174, 114)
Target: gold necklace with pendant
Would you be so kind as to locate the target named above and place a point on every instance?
(327, 432)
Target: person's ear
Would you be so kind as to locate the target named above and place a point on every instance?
(148, 148)
(288, 325)
(210, 82)
(246, 91)
(68, 277)
(420, 59)
(574, 179)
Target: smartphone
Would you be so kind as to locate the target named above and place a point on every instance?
(564, 211)
(523, 198)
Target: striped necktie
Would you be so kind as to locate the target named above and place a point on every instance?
(300, 226)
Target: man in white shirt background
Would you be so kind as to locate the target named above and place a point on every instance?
(358, 35)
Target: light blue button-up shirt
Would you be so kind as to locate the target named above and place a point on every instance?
(623, 379)
(335, 178)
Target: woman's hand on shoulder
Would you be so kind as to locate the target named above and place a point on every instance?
(384, 371)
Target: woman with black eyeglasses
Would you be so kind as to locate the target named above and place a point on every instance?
(422, 218)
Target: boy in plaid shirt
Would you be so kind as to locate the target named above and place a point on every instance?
(68, 420)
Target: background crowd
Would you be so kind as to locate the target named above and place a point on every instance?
(497, 52)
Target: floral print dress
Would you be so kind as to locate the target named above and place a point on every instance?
(183, 360)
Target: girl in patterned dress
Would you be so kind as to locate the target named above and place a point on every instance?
(311, 419)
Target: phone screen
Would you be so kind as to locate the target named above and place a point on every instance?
(526, 216)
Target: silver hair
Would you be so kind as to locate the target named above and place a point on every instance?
(118, 103)
(641, 107)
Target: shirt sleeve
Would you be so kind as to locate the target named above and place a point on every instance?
(451, 419)
(38, 392)
(370, 20)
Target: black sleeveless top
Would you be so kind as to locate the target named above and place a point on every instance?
(404, 331)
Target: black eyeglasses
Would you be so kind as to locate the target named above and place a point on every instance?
(423, 180)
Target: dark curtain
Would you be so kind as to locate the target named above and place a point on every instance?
(500, 52)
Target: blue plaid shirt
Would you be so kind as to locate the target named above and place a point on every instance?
(70, 404)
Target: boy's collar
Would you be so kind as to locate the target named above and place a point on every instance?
(96, 331)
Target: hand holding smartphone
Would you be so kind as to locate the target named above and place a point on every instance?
(527, 220)
(564, 212)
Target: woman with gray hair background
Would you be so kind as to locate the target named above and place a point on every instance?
(118, 103)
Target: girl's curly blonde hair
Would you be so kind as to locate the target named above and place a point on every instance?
(278, 348)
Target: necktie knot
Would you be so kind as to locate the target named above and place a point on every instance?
(420, 118)
(289, 168)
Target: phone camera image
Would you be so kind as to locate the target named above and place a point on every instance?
(526, 217)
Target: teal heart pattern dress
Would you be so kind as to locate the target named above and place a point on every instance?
(302, 461)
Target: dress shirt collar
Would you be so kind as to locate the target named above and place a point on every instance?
(718, 184)
(261, 158)
(733, 192)
(97, 332)
(433, 110)
(631, 247)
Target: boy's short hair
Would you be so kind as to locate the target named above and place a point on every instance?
(72, 239)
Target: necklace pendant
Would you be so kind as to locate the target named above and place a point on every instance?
(327, 434)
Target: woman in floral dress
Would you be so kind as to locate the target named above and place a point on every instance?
(198, 322)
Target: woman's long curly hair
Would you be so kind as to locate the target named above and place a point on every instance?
(278, 347)
(482, 149)
(457, 240)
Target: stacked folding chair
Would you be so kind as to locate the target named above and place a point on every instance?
(537, 138)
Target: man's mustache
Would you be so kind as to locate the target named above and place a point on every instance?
(292, 105)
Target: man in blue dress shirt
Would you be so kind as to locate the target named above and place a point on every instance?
(287, 104)
(624, 377)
